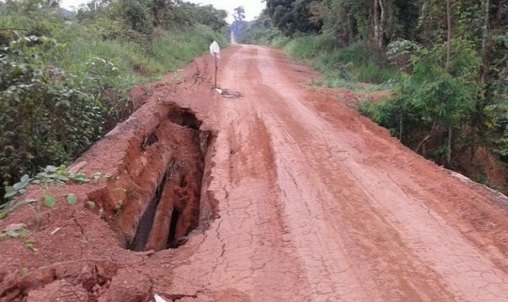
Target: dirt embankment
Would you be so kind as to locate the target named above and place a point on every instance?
(273, 191)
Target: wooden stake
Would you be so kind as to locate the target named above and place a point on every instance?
(216, 69)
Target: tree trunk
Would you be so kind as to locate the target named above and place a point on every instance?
(485, 38)
(500, 12)
(381, 24)
(427, 137)
(449, 153)
(379, 19)
(423, 141)
(216, 69)
(448, 55)
(485, 26)
(449, 22)
(401, 126)
(350, 33)
(376, 21)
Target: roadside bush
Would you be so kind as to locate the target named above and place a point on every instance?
(308, 47)
(301, 48)
(355, 63)
(280, 41)
(433, 101)
(43, 117)
(262, 32)
(383, 113)
(172, 50)
(372, 73)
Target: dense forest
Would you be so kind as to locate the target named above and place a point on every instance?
(444, 62)
(65, 76)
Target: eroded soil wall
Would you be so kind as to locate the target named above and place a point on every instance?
(155, 200)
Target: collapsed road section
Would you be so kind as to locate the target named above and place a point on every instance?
(156, 169)
(158, 166)
(155, 199)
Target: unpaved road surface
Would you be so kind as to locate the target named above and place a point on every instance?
(302, 199)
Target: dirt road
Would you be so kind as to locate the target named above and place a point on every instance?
(313, 202)
(316, 204)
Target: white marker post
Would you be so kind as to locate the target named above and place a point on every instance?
(215, 51)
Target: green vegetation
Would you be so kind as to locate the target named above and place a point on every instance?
(72, 199)
(48, 176)
(65, 77)
(262, 32)
(49, 201)
(432, 99)
(447, 62)
(341, 66)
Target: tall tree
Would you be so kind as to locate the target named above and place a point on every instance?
(449, 33)
(292, 16)
(239, 24)
(447, 65)
(379, 20)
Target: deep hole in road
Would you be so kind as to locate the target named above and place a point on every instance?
(173, 210)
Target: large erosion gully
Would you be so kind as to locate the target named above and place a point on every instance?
(159, 192)
(159, 162)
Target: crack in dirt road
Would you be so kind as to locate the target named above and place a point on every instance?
(295, 198)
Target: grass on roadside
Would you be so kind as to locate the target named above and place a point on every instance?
(343, 67)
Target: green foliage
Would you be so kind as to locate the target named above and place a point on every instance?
(42, 115)
(496, 98)
(211, 17)
(18, 188)
(384, 113)
(261, 31)
(341, 65)
(136, 14)
(50, 174)
(72, 199)
(432, 100)
(292, 17)
(173, 50)
(359, 62)
(348, 20)
(374, 73)
(440, 95)
(400, 52)
(49, 201)
(303, 48)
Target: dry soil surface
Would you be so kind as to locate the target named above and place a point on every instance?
(272, 191)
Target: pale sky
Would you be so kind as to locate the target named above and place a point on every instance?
(252, 7)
